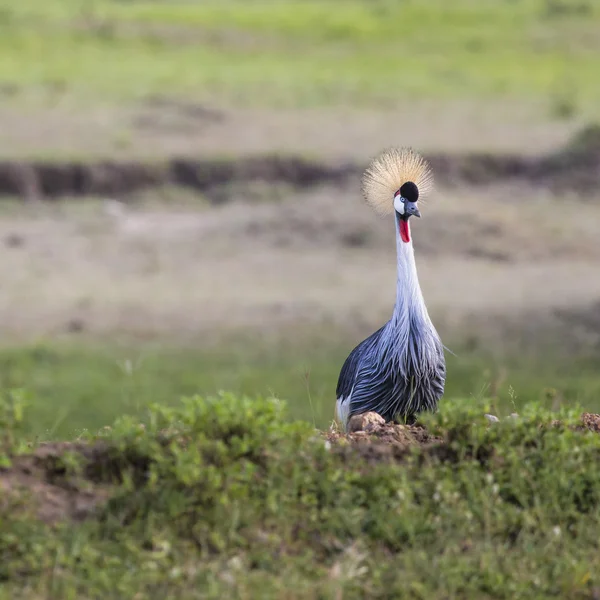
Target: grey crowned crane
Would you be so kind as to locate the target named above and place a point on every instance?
(398, 371)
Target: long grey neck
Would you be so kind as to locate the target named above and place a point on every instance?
(410, 305)
(410, 335)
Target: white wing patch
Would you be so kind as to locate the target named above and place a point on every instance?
(342, 408)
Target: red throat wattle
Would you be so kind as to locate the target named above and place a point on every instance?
(404, 230)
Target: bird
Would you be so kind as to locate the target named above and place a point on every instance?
(400, 370)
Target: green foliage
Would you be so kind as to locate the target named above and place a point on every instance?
(224, 497)
(298, 53)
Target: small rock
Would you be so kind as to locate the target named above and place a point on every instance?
(492, 418)
(368, 422)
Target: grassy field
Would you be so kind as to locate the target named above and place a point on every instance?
(299, 54)
(83, 78)
(72, 387)
(224, 497)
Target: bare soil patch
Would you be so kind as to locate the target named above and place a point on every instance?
(276, 259)
(40, 482)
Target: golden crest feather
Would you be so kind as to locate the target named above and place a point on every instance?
(389, 171)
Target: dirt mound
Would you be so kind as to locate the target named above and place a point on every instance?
(378, 441)
(575, 168)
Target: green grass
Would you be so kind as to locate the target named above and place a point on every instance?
(300, 53)
(74, 387)
(224, 498)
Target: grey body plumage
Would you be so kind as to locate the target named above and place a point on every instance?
(398, 371)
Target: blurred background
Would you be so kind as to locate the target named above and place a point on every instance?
(180, 206)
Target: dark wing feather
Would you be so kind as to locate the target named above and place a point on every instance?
(347, 376)
(390, 394)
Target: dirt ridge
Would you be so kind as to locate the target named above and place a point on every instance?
(574, 168)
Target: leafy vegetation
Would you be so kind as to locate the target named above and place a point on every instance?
(299, 53)
(224, 497)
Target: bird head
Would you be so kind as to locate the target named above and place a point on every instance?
(405, 206)
(393, 182)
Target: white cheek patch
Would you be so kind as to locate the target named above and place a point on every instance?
(399, 205)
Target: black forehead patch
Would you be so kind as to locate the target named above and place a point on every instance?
(410, 191)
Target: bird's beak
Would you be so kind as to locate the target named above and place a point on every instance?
(410, 208)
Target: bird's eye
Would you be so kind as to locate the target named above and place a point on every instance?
(399, 204)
